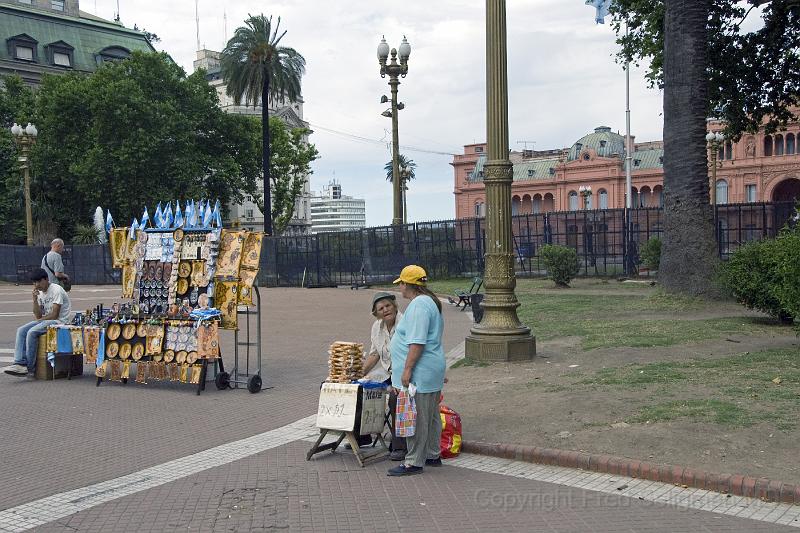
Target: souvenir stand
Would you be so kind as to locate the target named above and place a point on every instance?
(185, 277)
(349, 406)
(246, 340)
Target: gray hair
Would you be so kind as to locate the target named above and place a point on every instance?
(56, 242)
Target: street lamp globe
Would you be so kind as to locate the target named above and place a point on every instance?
(31, 130)
(710, 136)
(383, 49)
(405, 50)
(16, 129)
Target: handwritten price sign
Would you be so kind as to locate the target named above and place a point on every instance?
(337, 406)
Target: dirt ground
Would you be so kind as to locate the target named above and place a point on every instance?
(539, 404)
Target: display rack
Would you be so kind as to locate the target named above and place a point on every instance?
(245, 341)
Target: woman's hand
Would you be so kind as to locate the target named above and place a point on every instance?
(406, 379)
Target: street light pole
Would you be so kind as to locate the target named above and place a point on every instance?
(499, 336)
(395, 70)
(586, 193)
(25, 139)
(714, 140)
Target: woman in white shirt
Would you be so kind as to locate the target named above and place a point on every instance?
(378, 365)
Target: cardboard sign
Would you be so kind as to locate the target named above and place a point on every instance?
(337, 406)
(373, 411)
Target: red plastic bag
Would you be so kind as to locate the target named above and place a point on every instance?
(450, 443)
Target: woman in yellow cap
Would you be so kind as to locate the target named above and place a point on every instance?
(418, 360)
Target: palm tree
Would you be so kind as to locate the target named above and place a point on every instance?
(410, 166)
(255, 68)
(689, 246)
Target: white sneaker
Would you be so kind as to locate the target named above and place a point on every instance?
(16, 370)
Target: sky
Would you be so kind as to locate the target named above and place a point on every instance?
(563, 81)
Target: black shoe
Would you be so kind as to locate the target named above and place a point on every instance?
(433, 462)
(403, 470)
(397, 455)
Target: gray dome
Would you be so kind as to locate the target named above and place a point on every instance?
(603, 141)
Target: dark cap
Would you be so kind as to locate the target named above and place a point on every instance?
(382, 296)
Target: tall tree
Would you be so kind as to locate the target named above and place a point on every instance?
(290, 166)
(133, 134)
(256, 69)
(404, 162)
(707, 66)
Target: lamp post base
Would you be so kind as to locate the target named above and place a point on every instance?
(500, 348)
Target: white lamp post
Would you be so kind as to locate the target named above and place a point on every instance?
(25, 138)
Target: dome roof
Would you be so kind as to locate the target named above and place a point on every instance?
(603, 141)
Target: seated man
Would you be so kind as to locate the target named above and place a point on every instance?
(51, 305)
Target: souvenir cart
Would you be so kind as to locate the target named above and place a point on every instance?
(185, 277)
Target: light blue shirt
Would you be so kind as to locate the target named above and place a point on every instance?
(421, 323)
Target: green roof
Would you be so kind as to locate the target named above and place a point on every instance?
(88, 35)
(603, 141)
(535, 169)
(646, 159)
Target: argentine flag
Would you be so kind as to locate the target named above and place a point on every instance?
(157, 218)
(109, 222)
(602, 7)
(145, 219)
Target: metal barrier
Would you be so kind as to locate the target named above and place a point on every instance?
(447, 248)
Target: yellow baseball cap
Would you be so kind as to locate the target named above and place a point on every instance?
(413, 275)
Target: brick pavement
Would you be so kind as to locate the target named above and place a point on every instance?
(67, 435)
(279, 489)
(108, 431)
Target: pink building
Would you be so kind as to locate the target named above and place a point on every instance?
(758, 168)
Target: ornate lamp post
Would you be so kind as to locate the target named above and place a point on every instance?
(500, 336)
(586, 193)
(395, 70)
(25, 138)
(714, 140)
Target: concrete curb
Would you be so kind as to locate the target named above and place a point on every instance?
(762, 488)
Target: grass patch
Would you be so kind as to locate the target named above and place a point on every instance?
(716, 411)
(738, 391)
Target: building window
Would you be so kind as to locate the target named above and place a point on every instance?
(729, 150)
(248, 213)
(24, 53)
(750, 193)
(778, 146)
(552, 171)
(479, 149)
(23, 47)
(790, 147)
(722, 192)
(531, 173)
(58, 5)
(60, 54)
(767, 146)
(603, 195)
(477, 209)
(26, 2)
(112, 53)
(573, 201)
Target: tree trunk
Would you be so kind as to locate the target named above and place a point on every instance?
(689, 254)
(267, 211)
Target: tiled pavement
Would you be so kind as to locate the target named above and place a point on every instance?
(64, 436)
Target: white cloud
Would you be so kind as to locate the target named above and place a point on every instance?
(563, 81)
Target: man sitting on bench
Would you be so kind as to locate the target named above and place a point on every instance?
(51, 305)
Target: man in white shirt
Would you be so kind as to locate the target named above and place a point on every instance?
(51, 305)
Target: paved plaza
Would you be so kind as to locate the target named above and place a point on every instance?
(156, 457)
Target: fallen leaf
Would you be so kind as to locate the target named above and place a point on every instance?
(777, 381)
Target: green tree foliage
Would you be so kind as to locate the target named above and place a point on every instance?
(751, 76)
(16, 105)
(765, 275)
(561, 263)
(404, 162)
(257, 69)
(650, 256)
(135, 133)
(290, 166)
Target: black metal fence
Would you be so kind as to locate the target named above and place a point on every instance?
(449, 248)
